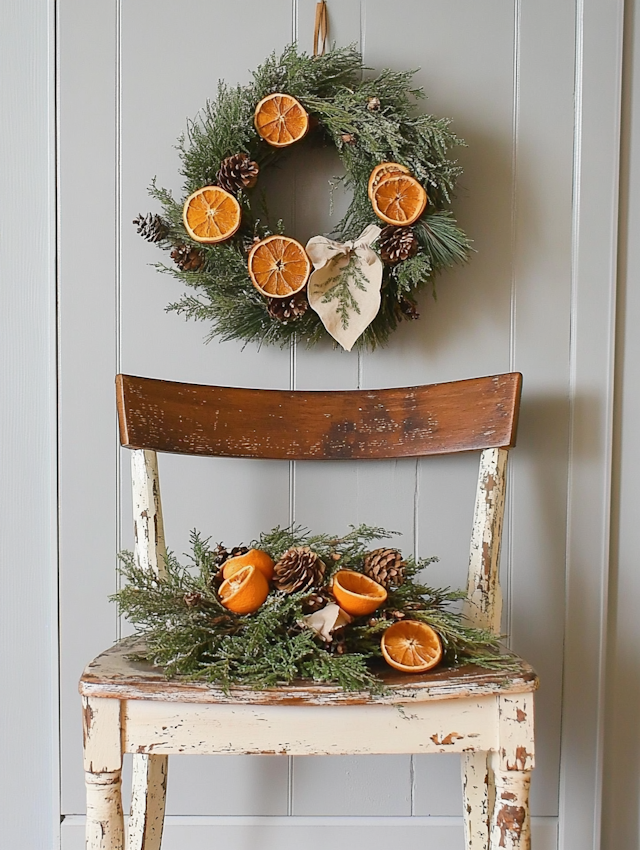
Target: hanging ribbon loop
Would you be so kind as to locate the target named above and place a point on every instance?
(320, 28)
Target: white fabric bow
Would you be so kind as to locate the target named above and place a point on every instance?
(344, 288)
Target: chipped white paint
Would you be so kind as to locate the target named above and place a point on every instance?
(510, 822)
(150, 548)
(516, 743)
(475, 794)
(149, 787)
(102, 764)
(439, 727)
(484, 604)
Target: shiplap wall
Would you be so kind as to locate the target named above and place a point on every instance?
(130, 74)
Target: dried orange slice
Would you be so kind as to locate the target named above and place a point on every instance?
(245, 591)
(278, 266)
(398, 199)
(381, 171)
(356, 593)
(281, 120)
(211, 215)
(258, 558)
(411, 646)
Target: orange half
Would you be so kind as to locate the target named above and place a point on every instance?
(245, 591)
(356, 593)
(256, 557)
(278, 266)
(380, 171)
(398, 199)
(281, 120)
(211, 215)
(411, 646)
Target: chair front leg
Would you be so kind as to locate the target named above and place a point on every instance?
(510, 824)
(103, 765)
(147, 802)
(477, 800)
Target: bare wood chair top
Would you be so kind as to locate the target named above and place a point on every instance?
(166, 416)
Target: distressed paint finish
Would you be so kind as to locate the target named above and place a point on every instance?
(476, 799)
(438, 727)
(150, 548)
(114, 674)
(149, 790)
(510, 822)
(103, 765)
(484, 596)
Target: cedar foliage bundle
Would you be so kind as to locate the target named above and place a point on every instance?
(332, 90)
(191, 634)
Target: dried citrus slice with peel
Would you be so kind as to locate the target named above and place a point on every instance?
(356, 593)
(381, 171)
(245, 591)
(258, 558)
(398, 199)
(211, 215)
(411, 646)
(281, 120)
(278, 266)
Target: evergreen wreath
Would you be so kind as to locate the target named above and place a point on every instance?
(369, 122)
(191, 633)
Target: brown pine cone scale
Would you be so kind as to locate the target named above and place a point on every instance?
(397, 244)
(238, 172)
(151, 227)
(188, 258)
(298, 569)
(287, 310)
(386, 566)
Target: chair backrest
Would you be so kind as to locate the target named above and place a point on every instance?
(477, 414)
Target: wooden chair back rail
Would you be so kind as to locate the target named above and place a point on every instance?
(293, 425)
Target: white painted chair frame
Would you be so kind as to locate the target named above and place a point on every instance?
(493, 732)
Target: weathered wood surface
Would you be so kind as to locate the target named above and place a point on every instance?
(476, 801)
(148, 797)
(483, 606)
(358, 424)
(103, 766)
(115, 674)
(510, 821)
(427, 727)
(148, 526)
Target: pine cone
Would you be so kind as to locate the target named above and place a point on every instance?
(373, 104)
(298, 569)
(385, 566)
(287, 310)
(151, 227)
(238, 172)
(192, 600)
(348, 138)
(408, 309)
(188, 258)
(315, 601)
(338, 645)
(397, 244)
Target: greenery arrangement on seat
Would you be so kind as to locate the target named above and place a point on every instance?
(310, 620)
(323, 100)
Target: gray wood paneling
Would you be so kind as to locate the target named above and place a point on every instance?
(28, 532)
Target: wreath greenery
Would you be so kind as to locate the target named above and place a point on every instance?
(368, 121)
(190, 633)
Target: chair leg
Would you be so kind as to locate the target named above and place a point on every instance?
(509, 825)
(147, 802)
(477, 803)
(105, 827)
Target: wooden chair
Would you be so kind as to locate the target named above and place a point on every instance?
(485, 715)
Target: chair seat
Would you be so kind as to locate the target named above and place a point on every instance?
(118, 675)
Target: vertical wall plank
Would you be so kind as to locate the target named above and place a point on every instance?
(87, 169)
(28, 499)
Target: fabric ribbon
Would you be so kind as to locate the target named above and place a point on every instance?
(344, 288)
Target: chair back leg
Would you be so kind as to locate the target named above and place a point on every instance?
(477, 805)
(147, 802)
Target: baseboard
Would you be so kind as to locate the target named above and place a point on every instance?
(282, 833)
